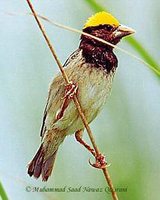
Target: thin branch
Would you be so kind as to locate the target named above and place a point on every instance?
(148, 62)
(155, 68)
(76, 101)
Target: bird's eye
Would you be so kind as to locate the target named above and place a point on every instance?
(109, 27)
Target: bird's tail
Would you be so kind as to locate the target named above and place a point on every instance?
(43, 161)
(38, 166)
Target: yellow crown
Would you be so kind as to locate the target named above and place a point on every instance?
(101, 18)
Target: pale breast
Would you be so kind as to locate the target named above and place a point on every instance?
(94, 86)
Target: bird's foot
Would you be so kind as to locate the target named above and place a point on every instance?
(100, 162)
(78, 136)
(71, 89)
(100, 159)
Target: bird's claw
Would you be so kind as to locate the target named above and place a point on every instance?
(70, 90)
(100, 162)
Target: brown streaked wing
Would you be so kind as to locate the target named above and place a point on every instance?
(54, 102)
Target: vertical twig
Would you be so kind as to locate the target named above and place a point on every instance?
(77, 103)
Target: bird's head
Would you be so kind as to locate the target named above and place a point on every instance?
(107, 27)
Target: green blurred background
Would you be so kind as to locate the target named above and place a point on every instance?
(127, 130)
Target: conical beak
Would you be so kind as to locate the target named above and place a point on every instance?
(122, 31)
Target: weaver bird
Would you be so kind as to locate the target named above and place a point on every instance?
(90, 69)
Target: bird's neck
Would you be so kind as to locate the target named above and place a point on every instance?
(100, 56)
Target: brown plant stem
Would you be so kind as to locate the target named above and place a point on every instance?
(76, 101)
(136, 44)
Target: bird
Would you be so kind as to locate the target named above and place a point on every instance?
(90, 69)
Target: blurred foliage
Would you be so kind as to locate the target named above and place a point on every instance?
(127, 130)
(3, 194)
(97, 7)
